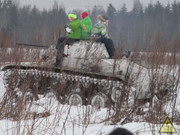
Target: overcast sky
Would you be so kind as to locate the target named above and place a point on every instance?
(87, 4)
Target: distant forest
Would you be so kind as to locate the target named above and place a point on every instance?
(134, 28)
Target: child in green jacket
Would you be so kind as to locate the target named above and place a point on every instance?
(73, 35)
(74, 27)
(86, 25)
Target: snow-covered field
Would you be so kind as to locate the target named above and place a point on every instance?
(48, 117)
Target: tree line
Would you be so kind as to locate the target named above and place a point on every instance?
(30, 25)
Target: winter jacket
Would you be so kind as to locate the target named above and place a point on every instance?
(86, 26)
(100, 29)
(75, 26)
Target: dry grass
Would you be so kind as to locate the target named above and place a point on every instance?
(55, 118)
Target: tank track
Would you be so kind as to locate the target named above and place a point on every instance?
(69, 77)
(108, 87)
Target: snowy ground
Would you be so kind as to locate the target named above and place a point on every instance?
(70, 120)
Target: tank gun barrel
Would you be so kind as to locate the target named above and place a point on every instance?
(33, 45)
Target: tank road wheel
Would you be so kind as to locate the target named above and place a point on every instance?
(166, 93)
(128, 95)
(23, 92)
(86, 85)
(11, 79)
(86, 82)
(59, 90)
(50, 94)
(63, 78)
(75, 98)
(29, 96)
(116, 94)
(37, 77)
(63, 81)
(26, 93)
(6, 78)
(99, 100)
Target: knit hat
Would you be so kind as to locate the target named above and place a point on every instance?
(84, 14)
(105, 17)
(100, 17)
(72, 15)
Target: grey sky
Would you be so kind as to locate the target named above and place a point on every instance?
(88, 4)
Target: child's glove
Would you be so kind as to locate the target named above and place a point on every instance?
(68, 30)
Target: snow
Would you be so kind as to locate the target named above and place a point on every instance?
(71, 120)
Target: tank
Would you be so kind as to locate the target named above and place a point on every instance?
(87, 77)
